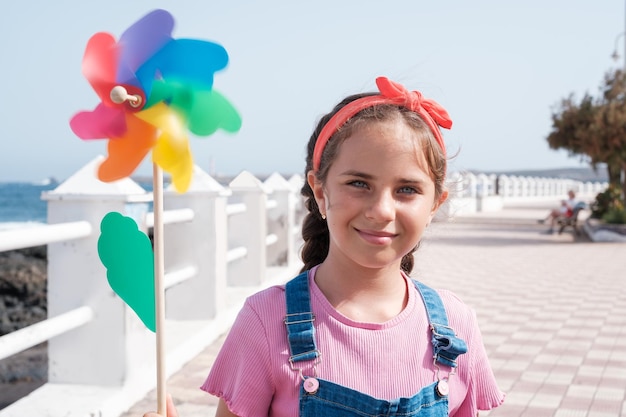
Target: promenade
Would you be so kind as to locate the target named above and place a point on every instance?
(552, 310)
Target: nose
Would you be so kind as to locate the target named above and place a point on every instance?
(382, 207)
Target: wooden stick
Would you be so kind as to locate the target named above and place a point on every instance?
(159, 291)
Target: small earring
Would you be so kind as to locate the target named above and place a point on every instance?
(323, 216)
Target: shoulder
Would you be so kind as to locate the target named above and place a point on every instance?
(461, 317)
(456, 309)
(260, 321)
(270, 301)
(270, 305)
(453, 302)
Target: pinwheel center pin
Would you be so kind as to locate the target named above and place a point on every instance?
(120, 95)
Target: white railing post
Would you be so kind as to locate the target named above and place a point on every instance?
(281, 221)
(248, 230)
(100, 351)
(504, 186)
(471, 184)
(201, 243)
(532, 187)
(482, 185)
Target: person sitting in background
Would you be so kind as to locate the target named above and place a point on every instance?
(565, 210)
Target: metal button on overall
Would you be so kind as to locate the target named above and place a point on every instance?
(443, 388)
(311, 385)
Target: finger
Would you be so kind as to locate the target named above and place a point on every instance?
(171, 410)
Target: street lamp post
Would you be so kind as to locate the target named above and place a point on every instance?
(615, 55)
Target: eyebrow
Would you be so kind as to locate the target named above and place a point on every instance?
(366, 176)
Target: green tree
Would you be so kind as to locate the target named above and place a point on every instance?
(595, 128)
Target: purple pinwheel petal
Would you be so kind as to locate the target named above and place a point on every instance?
(140, 42)
(101, 123)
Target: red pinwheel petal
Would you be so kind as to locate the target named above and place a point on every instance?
(101, 123)
(127, 151)
(100, 65)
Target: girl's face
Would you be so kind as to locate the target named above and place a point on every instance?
(378, 197)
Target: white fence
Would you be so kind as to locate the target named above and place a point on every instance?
(472, 193)
(221, 244)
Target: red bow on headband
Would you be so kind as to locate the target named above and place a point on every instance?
(415, 101)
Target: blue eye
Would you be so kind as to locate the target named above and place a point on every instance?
(358, 184)
(407, 190)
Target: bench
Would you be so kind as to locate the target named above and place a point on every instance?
(571, 221)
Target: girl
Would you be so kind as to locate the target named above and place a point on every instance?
(353, 335)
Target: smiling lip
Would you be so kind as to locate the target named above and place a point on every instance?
(376, 237)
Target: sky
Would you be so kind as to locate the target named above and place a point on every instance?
(500, 68)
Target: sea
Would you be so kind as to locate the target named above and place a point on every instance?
(21, 204)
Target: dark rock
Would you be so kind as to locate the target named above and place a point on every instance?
(23, 301)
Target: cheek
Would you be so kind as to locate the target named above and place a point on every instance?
(422, 217)
(336, 200)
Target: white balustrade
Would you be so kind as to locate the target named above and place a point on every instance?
(216, 239)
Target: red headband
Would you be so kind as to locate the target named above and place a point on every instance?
(390, 93)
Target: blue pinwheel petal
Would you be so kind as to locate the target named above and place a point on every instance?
(190, 62)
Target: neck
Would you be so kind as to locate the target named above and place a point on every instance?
(363, 294)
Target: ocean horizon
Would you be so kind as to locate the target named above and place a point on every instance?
(21, 204)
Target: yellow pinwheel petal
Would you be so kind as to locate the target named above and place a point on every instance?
(171, 152)
(163, 117)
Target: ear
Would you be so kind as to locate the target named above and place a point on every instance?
(442, 199)
(318, 191)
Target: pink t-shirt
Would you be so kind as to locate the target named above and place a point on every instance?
(384, 360)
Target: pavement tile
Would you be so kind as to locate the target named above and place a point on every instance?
(519, 397)
(550, 387)
(535, 377)
(608, 393)
(538, 412)
(562, 412)
(581, 391)
(559, 378)
(604, 406)
(545, 400)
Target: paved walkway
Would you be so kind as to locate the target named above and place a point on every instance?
(552, 310)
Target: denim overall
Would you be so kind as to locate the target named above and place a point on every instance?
(319, 397)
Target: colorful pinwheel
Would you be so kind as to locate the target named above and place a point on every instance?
(153, 90)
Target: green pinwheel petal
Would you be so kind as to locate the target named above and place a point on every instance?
(205, 111)
(212, 111)
(127, 254)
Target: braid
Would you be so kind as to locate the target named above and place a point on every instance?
(407, 263)
(314, 232)
(316, 241)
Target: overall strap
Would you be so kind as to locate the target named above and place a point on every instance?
(299, 320)
(446, 345)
